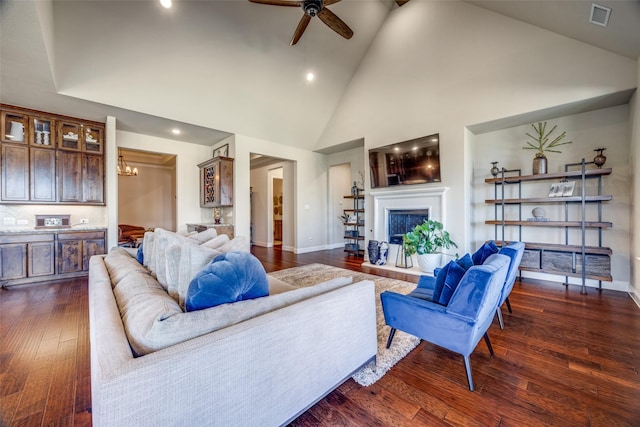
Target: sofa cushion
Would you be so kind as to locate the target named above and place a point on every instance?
(230, 277)
(216, 242)
(143, 303)
(483, 253)
(162, 332)
(119, 264)
(193, 258)
(164, 240)
(237, 244)
(147, 248)
(205, 235)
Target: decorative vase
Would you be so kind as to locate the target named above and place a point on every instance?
(494, 170)
(600, 158)
(374, 251)
(539, 164)
(429, 262)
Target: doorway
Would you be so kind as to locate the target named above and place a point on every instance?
(278, 206)
(272, 202)
(148, 200)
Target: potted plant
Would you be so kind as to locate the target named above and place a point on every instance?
(426, 240)
(541, 144)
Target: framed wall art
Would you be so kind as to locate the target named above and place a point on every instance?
(222, 151)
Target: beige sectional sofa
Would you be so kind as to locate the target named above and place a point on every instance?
(259, 362)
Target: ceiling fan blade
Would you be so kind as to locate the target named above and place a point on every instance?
(401, 2)
(335, 23)
(289, 3)
(330, 2)
(302, 25)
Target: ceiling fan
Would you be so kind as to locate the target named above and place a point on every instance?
(313, 8)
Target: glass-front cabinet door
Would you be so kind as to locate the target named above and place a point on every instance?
(69, 135)
(14, 127)
(93, 139)
(42, 132)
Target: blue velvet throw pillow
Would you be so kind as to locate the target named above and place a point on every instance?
(230, 277)
(452, 277)
(465, 262)
(483, 253)
(140, 255)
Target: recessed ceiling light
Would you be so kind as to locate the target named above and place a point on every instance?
(310, 77)
(165, 3)
(176, 131)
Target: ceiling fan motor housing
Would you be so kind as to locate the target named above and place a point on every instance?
(312, 7)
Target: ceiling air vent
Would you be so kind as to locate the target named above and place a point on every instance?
(599, 15)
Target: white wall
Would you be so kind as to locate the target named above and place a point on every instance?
(607, 128)
(188, 156)
(339, 185)
(437, 67)
(634, 157)
(148, 200)
(309, 181)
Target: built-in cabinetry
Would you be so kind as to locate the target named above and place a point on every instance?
(216, 182)
(354, 224)
(582, 215)
(220, 228)
(34, 256)
(48, 158)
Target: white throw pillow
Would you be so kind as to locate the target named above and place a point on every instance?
(205, 235)
(193, 258)
(216, 242)
(238, 243)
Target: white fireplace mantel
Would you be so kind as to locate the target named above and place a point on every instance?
(431, 199)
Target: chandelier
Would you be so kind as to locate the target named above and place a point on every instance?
(124, 169)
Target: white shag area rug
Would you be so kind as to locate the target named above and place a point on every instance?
(403, 343)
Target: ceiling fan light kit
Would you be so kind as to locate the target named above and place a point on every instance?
(312, 8)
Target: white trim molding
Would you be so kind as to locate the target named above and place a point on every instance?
(432, 199)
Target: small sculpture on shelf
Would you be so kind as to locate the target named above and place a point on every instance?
(494, 170)
(600, 158)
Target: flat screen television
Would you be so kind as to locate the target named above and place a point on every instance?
(416, 161)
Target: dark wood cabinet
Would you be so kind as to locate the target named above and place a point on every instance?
(41, 256)
(75, 248)
(15, 173)
(13, 261)
(70, 176)
(216, 182)
(29, 257)
(92, 178)
(42, 175)
(48, 158)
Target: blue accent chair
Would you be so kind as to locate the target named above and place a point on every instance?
(514, 250)
(461, 324)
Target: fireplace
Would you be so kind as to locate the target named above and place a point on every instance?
(405, 208)
(402, 221)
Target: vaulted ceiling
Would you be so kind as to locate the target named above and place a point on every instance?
(215, 67)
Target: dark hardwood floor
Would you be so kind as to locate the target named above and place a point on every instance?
(563, 359)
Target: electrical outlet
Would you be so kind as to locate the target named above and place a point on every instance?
(9, 221)
(84, 221)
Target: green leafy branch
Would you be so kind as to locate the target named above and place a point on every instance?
(541, 139)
